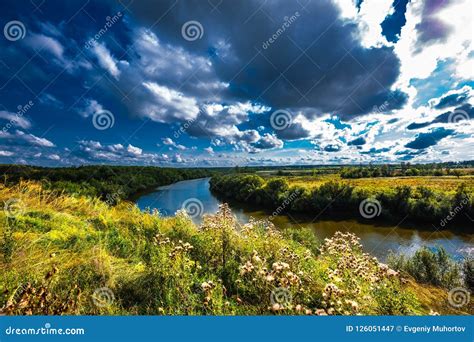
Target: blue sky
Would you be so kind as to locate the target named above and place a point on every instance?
(226, 83)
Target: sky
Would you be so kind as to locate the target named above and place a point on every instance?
(202, 83)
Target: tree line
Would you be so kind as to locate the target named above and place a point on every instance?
(415, 203)
(110, 183)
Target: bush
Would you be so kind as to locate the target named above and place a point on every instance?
(429, 266)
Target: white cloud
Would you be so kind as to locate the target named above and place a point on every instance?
(15, 119)
(106, 60)
(6, 154)
(169, 104)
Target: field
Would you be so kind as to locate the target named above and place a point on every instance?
(72, 254)
(438, 183)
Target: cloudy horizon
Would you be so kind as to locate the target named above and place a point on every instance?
(236, 83)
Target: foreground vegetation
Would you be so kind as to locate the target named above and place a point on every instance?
(441, 201)
(76, 254)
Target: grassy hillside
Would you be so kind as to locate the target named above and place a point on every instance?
(70, 254)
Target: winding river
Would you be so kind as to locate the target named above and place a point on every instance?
(377, 239)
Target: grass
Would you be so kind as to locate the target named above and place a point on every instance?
(66, 254)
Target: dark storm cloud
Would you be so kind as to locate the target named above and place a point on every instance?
(392, 25)
(374, 150)
(334, 74)
(463, 112)
(293, 132)
(452, 100)
(432, 29)
(357, 142)
(424, 140)
(332, 148)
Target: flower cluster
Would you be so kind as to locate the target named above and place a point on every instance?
(207, 288)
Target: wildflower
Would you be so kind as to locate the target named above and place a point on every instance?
(320, 312)
(269, 278)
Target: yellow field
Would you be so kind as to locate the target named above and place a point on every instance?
(440, 183)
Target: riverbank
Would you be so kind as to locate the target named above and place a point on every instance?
(416, 202)
(65, 254)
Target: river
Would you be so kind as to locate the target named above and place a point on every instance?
(378, 239)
